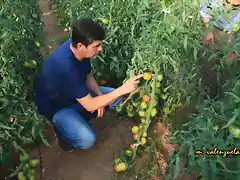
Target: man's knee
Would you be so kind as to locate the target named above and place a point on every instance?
(86, 141)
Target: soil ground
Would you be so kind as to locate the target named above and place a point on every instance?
(113, 135)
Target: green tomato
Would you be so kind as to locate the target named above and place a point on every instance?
(105, 21)
(141, 113)
(144, 134)
(143, 120)
(30, 64)
(34, 62)
(24, 157)
(31, 172)
(154, 112)
(130, 114)
(21, 176)
(164, 96)
(27, 166)
(99, 74)
(118, 108)
(31, 178)
(158, 84)
(160, 77)
(129, 108)
(144, 105)
(34, 162)
(235, 131)
(37, 44)
(128, 152)
(27, 64)
(235, 27)
(50, 47)
(215, 128)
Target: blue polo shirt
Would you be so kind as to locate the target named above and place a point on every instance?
(61, 81)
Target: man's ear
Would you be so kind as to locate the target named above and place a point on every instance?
(79, 45)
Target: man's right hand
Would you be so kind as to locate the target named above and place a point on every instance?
(208, 38)
(92, 104)
(130, 85)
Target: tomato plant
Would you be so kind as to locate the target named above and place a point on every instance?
(21, 36)
(216, 125)
(144, 103)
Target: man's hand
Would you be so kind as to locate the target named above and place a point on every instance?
(232, 56)
(131, 84)
(209, 38)
(100, 112)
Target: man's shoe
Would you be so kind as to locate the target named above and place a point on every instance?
(64, 147)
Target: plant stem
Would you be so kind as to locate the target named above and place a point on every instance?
(148, 120)
(130, 96)
(19, 168)
(40, 157)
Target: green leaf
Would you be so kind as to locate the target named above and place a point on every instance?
(177, 167)
(214, 168)
(5, 103)
(204, 169)
(7, 133)
(43, 139)
(101, 59)
(18, 148)
(185, 42)
(4, 35)
(2, 136)
(6, 127)
(231, 121)
(237, 99)
(34, 132)
(195, 53)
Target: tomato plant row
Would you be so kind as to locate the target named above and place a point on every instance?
(216, 125)
(20, 36)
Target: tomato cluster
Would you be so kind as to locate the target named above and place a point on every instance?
(28, 171)
(143, 103)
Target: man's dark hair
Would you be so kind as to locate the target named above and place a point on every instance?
(86, 31)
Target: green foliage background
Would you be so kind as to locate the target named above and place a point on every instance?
(20, 59)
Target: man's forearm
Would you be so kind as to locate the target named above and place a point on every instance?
(103, 100)
(92, 85)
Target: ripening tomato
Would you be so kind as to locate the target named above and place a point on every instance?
(147, 76)
(146, 98)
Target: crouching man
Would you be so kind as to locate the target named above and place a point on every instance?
(67, 93)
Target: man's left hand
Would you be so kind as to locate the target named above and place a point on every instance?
(100, 112)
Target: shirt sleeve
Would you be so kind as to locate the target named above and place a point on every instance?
(204, 6)
(73, 85)
(89, 66)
